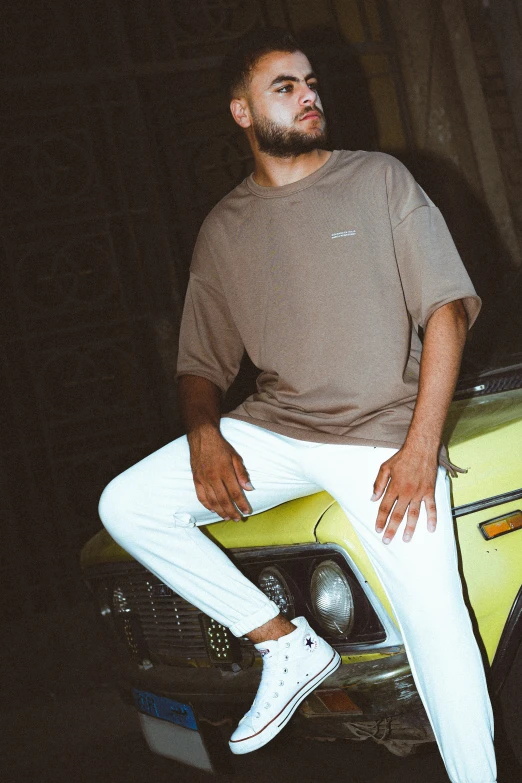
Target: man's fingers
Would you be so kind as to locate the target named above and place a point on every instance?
(403, 483)
(241, 473)
(394, 522)
(431, 512)
(225, 498)
(381, 482)
(385, 508)
(238, 498)
(231, 503)
(215, 503)
(411, 522)
(202, 495)
(394, 516)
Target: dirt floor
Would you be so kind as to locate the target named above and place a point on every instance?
(62, 721)
(95, 739)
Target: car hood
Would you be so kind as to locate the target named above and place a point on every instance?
(290, 523)
(474, 417)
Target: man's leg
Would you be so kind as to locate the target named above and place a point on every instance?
(153, 512)
(422, 582)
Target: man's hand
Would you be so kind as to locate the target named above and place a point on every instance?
(404, 482)
(219, 474)
(407, 479)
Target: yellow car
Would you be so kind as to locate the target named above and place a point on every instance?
(191, 681)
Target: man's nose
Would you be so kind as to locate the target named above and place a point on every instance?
(308, 95)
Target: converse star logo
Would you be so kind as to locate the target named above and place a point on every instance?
(338, 234)
(310, 644)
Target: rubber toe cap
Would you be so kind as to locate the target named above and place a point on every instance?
(243, 731)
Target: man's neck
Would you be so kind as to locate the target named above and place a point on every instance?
(270, 172)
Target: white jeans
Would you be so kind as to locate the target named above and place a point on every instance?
(152, 510)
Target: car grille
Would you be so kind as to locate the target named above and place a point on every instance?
(160, 622)
(156, 625)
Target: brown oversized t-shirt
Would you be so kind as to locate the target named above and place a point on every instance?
(324, 282)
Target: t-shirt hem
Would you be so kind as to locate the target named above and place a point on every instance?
(314, 436)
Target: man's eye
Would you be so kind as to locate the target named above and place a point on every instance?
(288, 87)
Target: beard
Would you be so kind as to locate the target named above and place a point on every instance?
(279, 141)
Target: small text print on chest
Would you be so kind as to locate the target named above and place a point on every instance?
(340, 234)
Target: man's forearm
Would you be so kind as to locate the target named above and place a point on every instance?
(200, 403)
(441, 356)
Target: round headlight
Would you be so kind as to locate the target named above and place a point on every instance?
(332, 598)
(273, 584)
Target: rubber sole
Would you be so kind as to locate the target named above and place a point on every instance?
(256, 741)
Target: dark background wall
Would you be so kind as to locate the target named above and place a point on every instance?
(114, 144)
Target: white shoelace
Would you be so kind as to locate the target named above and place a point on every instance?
(270, 664)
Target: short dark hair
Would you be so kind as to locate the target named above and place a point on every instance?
(244, 54)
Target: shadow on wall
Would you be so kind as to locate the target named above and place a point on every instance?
(344, 90)
(498, 330)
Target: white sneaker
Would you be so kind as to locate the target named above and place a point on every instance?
(293, 666)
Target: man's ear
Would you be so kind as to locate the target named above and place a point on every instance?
(240, 112)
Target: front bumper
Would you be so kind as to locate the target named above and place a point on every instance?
(372, 699)
(370, 689)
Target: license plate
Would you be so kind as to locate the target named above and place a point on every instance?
(165, 709)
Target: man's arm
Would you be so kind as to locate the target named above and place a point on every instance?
(218, 471)
(408, 478)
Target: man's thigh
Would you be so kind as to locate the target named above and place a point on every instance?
(162, 485)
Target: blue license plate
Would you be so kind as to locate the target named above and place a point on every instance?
(165, 709)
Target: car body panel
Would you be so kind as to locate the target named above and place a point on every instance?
(486, 439)
(484, 431)
(290, 523)
(492, 572)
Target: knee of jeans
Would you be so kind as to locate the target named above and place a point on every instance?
(116, 507)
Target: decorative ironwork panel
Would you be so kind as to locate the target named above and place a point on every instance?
(186, 29)
(87, 266)
(115, 142)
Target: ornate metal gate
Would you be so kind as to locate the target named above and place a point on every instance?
(114, 144)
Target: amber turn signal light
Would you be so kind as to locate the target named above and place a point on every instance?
(501, 525)
(337, 701)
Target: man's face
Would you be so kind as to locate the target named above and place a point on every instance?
(287, 116)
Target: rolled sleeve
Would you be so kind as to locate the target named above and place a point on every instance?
(431, 270)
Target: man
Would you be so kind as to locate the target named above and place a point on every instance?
(323, 266)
